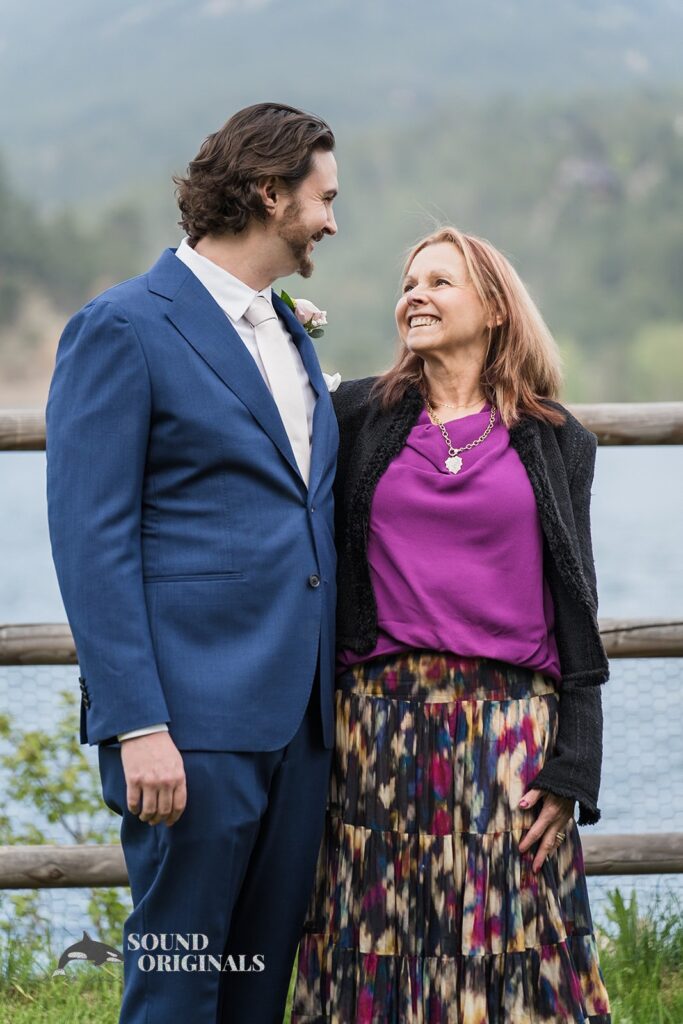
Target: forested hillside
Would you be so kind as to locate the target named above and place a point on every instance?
(99, 94)
(48, 267)
(585, 196)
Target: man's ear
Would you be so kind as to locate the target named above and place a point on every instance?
(269, 193)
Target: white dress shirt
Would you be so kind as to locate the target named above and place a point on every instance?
(235, 297)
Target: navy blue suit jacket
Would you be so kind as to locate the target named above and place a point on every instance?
(197, 569)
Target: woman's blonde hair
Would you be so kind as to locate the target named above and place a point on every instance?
(522, 364)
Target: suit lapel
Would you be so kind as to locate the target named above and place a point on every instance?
(209, 331)
(323, 444)
(309, 356)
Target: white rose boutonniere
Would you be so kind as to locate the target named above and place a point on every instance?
(332, 381)
(309, 316)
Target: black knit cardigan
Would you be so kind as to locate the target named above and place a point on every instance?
(559, 462)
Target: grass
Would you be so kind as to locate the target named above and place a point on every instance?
(641, 955)
(86, 996)
(642, 960)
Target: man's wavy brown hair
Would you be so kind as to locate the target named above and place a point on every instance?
(219, 194)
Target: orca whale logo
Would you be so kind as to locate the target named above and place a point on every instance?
(96, 953)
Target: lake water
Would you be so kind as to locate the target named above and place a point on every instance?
(637, 504)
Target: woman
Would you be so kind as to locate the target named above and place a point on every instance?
(451, 884)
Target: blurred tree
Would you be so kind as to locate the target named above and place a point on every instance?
(584, 194)
(656, 362)
(59, 256)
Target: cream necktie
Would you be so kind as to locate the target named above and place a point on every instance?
(283, 380)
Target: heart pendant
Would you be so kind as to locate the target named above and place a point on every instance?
(454, 464)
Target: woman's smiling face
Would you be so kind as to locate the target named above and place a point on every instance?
(439, 308)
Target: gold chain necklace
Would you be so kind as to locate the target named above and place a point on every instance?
(454, 463)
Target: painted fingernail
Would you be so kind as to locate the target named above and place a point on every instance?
(524, 802)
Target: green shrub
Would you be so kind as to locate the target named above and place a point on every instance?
(49, 773)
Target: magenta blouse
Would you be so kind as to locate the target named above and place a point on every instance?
(456, 561)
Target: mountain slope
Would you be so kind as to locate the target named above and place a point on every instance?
(96, 96)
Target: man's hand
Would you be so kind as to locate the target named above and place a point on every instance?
(555, 813)
(155, 778)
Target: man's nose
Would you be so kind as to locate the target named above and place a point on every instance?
(331, 226)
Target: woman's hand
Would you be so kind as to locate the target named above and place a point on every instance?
(554, 815)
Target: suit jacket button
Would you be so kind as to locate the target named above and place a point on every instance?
(313, 580)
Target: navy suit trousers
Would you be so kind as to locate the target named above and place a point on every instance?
(237, 868)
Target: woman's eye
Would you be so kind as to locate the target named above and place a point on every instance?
(442, 280)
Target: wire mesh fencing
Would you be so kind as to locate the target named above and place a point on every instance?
(642, 782)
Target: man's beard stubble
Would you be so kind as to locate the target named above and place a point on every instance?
(292, 233)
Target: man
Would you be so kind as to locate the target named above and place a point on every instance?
(191, 447)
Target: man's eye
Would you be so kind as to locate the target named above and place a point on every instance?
(442, 280)
(407, 288)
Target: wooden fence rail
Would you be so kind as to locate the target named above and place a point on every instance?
(615, 423)
(69, 867)
(34, 867)
(52, 644)
(642, 638)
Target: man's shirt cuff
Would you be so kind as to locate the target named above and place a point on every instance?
(148, 729)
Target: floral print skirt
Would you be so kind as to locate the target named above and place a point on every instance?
(424, 911)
